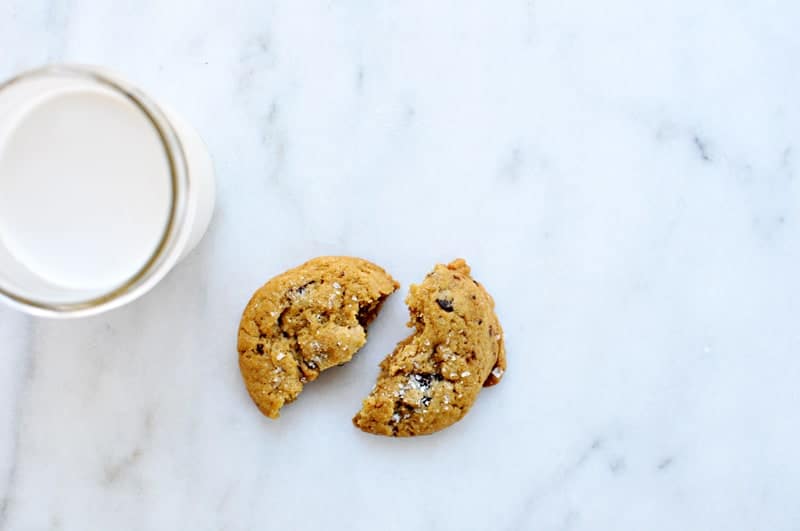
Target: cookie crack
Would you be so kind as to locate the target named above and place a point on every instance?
(280, 322)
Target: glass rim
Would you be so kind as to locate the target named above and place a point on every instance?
(179, 180)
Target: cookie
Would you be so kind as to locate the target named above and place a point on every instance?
(433, 377)
(304, 321)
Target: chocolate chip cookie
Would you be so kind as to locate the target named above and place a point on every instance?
(433, 377)
(304, 321)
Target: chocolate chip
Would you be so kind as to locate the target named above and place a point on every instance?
(445, 304)
(425, 401)
(367, 311)
(424, 380)
(401, 411)
(260, 348)
(300, 290)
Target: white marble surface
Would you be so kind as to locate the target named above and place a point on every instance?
(622, 175)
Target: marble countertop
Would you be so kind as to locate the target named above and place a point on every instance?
(623, 177)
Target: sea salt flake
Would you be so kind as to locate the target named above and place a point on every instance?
(465, 374)
(497, 372)
(336, 285)
(396, 417)
(354, 298)
(280, 356)
(422, 382)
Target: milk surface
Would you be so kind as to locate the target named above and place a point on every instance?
(85, 188)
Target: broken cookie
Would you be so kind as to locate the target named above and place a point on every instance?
(305, 321)
(433, 377)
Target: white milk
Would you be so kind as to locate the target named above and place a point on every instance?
(101, 191)
(84, 189)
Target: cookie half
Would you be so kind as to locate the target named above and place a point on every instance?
(304, 321)
(433, 377)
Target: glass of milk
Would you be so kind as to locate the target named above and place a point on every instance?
(102, 191)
